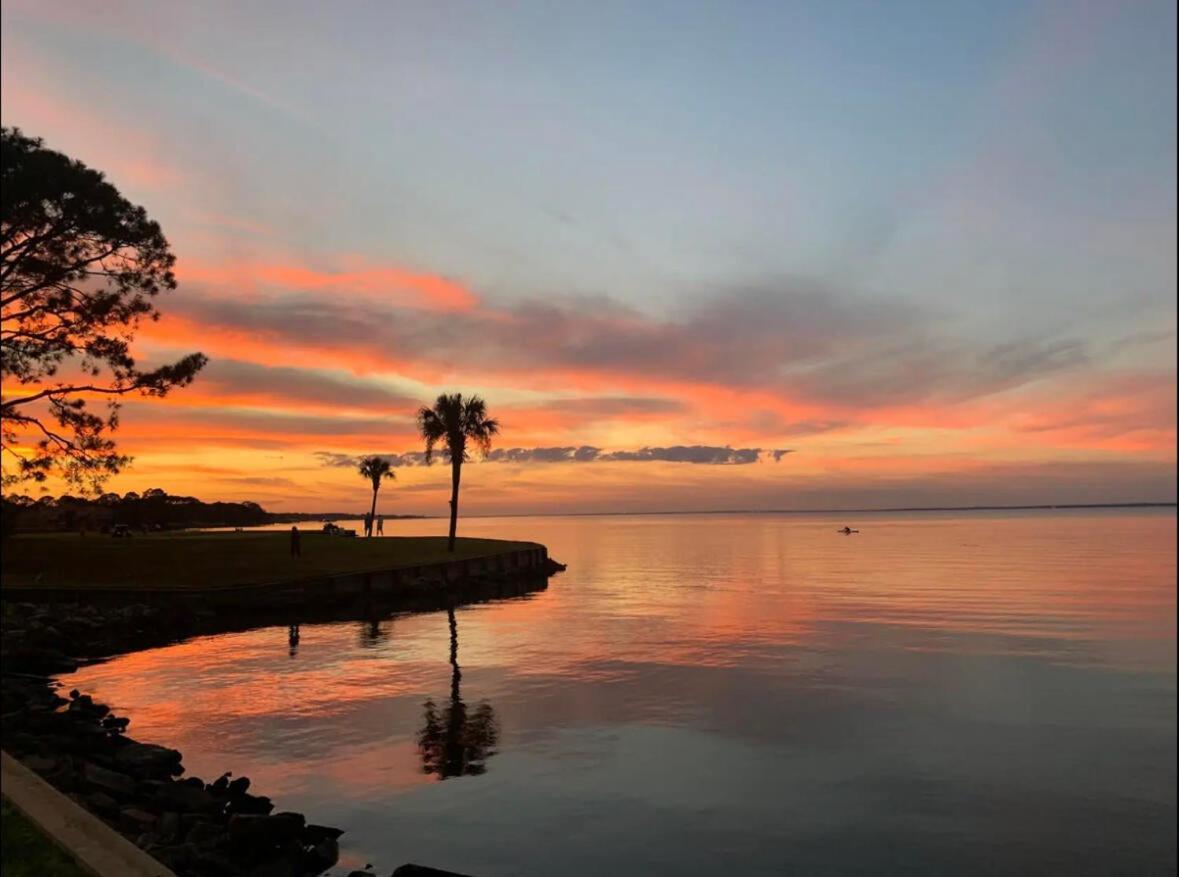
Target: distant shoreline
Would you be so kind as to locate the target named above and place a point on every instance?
(297, 517)
(848, 511)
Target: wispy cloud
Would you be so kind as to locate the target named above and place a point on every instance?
(698, 454)
(351, 275)
(807, 344)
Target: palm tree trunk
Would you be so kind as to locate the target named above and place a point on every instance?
(455, 468)
(372, 516)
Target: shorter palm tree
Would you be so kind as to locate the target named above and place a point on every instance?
(375, 469)
(453, 421)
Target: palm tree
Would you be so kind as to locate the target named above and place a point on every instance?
(454, 420)
(375, 469)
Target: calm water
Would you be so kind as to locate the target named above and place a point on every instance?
(748, 693)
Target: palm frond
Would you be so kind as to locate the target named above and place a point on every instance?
(454, 420)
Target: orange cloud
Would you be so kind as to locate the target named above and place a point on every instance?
(394, 285)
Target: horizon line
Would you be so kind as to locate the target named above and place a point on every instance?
(811, 511)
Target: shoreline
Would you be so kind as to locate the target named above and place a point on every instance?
(251, 570)
(139, 789)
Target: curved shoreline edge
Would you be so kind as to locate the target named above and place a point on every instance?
(314, 591)
(188, 825)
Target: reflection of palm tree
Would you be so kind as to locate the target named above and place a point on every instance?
(371, 633)
(455, 741)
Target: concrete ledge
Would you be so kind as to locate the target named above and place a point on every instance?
(89, 841)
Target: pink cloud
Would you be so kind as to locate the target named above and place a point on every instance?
(127, 156)
(356, 275)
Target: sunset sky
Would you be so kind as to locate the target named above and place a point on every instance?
(927, 249)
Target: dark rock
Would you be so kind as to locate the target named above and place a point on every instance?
(239, 786)
(175, 856)
(147, 759)
(101, 803)
(118, 784)
(191, 819)
(134, 820)
(88, 736)
(20, 742)
(185, 798)
(170, 827)
(283, 866)
(249, 828)
(85, 703)
(204, 832)
(219, 786)
(250, 804)
(412, 870)
(47, 661)
(324, 854)
(361, 874)
(208, 861)
(40, 764)
(313, 834)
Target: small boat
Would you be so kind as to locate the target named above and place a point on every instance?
(847, 531)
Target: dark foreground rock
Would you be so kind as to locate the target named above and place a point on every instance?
(193, 827)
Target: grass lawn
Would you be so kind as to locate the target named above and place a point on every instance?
(25, 852)
(214, 560)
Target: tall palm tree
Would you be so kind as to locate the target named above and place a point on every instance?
(375, 469)
(454, 420)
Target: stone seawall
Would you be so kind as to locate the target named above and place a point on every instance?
(465, 575)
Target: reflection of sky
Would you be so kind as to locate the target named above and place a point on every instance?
(759, 690)
(898, 240)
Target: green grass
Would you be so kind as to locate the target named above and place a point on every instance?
(26, 852)
(213, 560)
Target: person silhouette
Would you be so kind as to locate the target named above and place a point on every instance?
(296, 546)
(380, 525)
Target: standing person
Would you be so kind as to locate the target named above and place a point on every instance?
(296, 548)
(368, 524)
(380, 525)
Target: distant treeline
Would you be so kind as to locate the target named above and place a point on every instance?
(154, 509)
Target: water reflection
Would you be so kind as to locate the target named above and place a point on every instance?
(455, 741)
(293, 640)
(372, 634)
(748, 694)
